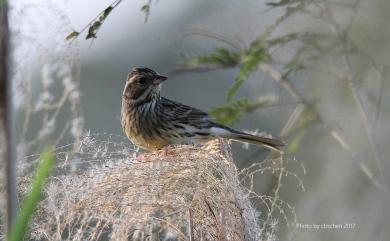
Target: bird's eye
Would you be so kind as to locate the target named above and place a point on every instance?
(142, 80)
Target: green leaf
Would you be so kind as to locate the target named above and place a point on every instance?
(95, 26)
(30, 202)
(236, 85)
(92, 30)
(91, 35)
(226, 114)
(146, 9)
(281, 3)
(105, 13)
(72, 35)
(232, 111)
(221, 57)
(255, 55)
(282, 40)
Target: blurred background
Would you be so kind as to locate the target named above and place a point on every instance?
(330, 101)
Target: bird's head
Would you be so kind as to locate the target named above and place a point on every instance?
(143, 85)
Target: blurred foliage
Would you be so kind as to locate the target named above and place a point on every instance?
(311, 46)
(30, 202)
(146, 9)
(295, 142)
(231, 112)
(281, 3)
(297, 134)
(249, 60)
(221, 57)
(259, 51)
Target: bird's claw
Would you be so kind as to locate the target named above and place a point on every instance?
(168, 149)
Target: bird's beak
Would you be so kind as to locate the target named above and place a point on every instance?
(158, 79)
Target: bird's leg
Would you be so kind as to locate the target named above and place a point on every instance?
(140, 156)
(167, 150)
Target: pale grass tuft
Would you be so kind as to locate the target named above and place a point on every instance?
(184, 193)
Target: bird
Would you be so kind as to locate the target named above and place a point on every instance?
(153, 122)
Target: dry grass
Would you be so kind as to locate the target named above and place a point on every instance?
(190, 193)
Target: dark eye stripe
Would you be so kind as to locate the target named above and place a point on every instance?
(135, 91)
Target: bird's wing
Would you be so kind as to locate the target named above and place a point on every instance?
(186, 114)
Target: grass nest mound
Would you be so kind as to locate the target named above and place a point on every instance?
(186, 193)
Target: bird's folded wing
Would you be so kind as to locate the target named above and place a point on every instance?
(185, 113)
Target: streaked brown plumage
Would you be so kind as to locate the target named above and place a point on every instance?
(153, 122)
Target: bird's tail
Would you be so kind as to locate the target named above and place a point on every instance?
(271, 143)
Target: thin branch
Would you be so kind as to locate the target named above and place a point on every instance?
(190, 225)
(113, 5)
(381, 71)
(184, 70)
(341, 34)
(380, 96)
(276, 194)
(6, 115)
(208, 34)
(285, 83)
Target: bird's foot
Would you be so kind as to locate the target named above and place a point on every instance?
(168, 150)
(141, 157)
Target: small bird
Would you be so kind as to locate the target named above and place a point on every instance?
(153, 122)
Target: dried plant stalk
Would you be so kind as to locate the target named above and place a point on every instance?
(189, 193)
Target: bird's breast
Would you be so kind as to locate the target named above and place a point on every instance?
(140, 124)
